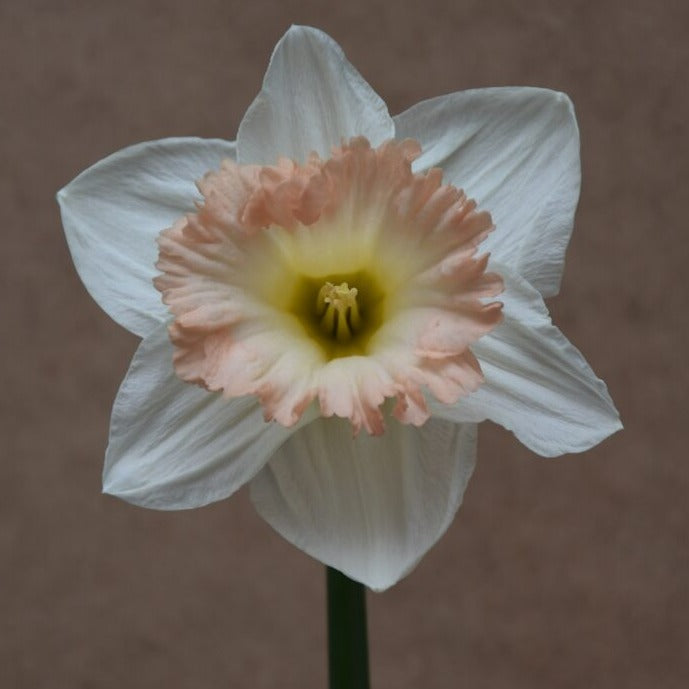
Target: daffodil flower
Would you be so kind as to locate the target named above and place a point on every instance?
(319, 316)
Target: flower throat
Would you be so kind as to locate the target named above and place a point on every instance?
(340, 312)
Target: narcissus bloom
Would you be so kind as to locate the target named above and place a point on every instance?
(319, 317)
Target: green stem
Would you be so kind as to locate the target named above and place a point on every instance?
(347, 637)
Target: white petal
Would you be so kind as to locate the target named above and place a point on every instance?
(113, 212)
(173, 445)
(370, 506)
(516, 151)
(537, 384)
(312, 98)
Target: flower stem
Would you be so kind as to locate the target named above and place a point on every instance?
(347, 637)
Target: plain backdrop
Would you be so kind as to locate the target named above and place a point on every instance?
(560, 574)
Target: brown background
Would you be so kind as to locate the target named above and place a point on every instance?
(557, 573)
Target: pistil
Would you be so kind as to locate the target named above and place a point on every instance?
(337, 308)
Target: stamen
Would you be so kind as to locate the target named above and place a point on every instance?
(338, 310)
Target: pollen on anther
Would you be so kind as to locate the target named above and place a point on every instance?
(337, 307)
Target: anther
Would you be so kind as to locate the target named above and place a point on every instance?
(338, 310)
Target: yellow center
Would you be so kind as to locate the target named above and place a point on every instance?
(340, 312)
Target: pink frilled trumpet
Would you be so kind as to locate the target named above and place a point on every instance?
(318, 315)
